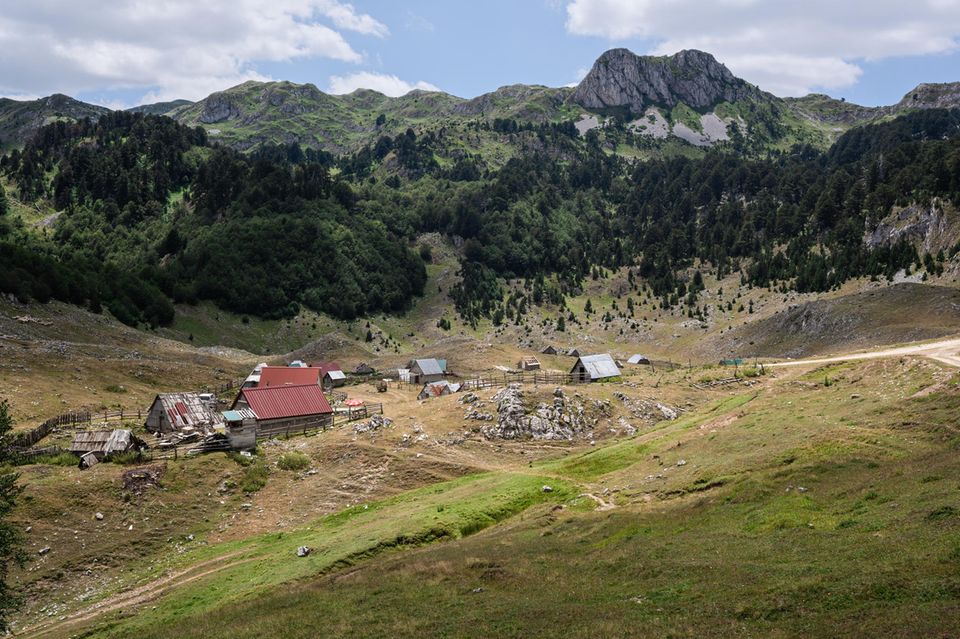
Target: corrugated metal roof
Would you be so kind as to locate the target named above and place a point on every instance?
(437, 389)
(428, 366)
(238, 415)
(326, 367)
(187, 410)
(281, 375)
(278, 402)
(102, 441)
(336, 375)
(599, 366)
(637, 359)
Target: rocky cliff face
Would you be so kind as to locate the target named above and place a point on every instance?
(931, 96)
(619, 78)
(930, 228)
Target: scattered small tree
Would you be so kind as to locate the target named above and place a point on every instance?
(11, 539)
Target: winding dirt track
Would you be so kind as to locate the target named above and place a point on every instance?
(945, 351)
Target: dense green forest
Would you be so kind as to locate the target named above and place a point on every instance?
(154, 213)
(151, 213)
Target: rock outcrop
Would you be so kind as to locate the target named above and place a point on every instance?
(562, 419)
(621, 79)
(930, 228)
(945, 95)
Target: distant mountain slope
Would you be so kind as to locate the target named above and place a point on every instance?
(19, 120)
(160, 108)
(639, 106)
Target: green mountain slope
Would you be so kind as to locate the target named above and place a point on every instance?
(20, 120)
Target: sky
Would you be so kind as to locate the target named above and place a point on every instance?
(121, 53)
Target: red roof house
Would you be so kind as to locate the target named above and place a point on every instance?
(289, 375)
(284, 402)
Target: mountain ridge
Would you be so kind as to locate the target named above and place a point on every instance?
(689, 95)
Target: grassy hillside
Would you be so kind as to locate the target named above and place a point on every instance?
(817, 501)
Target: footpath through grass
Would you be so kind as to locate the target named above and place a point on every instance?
(240, 570)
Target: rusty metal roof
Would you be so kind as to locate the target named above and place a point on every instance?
(188, 410)
(295, 375)
(278, 402)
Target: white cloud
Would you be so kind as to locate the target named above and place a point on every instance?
(579, 75)
(788, 48)
(386, 84)
(171, 49)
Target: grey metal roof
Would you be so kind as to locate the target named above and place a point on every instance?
(429, 366)
(636, 359)
(600, 366)
(336, 375)
(102, 441)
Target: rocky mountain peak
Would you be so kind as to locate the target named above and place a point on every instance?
(622, 79)
(944, 95)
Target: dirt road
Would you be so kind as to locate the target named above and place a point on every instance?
(945, 351)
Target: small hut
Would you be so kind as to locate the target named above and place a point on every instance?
(549, 350)
(573, 352)
(333, 379)
(103, 443)
(363, 369)
(176, 412)
(638, 359)
(438, 389)
(529, 363)
(423, 371)
(593, 368)
(241, 428)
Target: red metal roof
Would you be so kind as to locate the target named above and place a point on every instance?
(281, 375)
(278, 402)
(326, 367)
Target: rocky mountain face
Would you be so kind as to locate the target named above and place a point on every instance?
(620, 78)
(160, 108)
(19, 120)
(931, 96)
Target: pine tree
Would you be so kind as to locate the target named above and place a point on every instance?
(11, 539)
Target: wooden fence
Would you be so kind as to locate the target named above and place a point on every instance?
(267, 432)
(525, 377)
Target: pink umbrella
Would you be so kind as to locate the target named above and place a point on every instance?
(353, 402)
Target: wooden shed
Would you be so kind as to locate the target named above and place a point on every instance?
(182, 412)
(102, 443)
(438, 389)
(241, 428)
(593, 368)
(279, 408)
(549, 350)
(529, 363)
(423, 371)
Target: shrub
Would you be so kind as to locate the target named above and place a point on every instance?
(293, 461)
(115, 388)
(129, 457)
(255, 477)
(61, 459)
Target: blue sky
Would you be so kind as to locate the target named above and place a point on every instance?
(127, 52)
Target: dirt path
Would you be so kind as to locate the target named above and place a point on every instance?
(945, 351)
(601, 504)
(137, 596)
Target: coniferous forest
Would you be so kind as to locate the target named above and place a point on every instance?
(153, 213)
